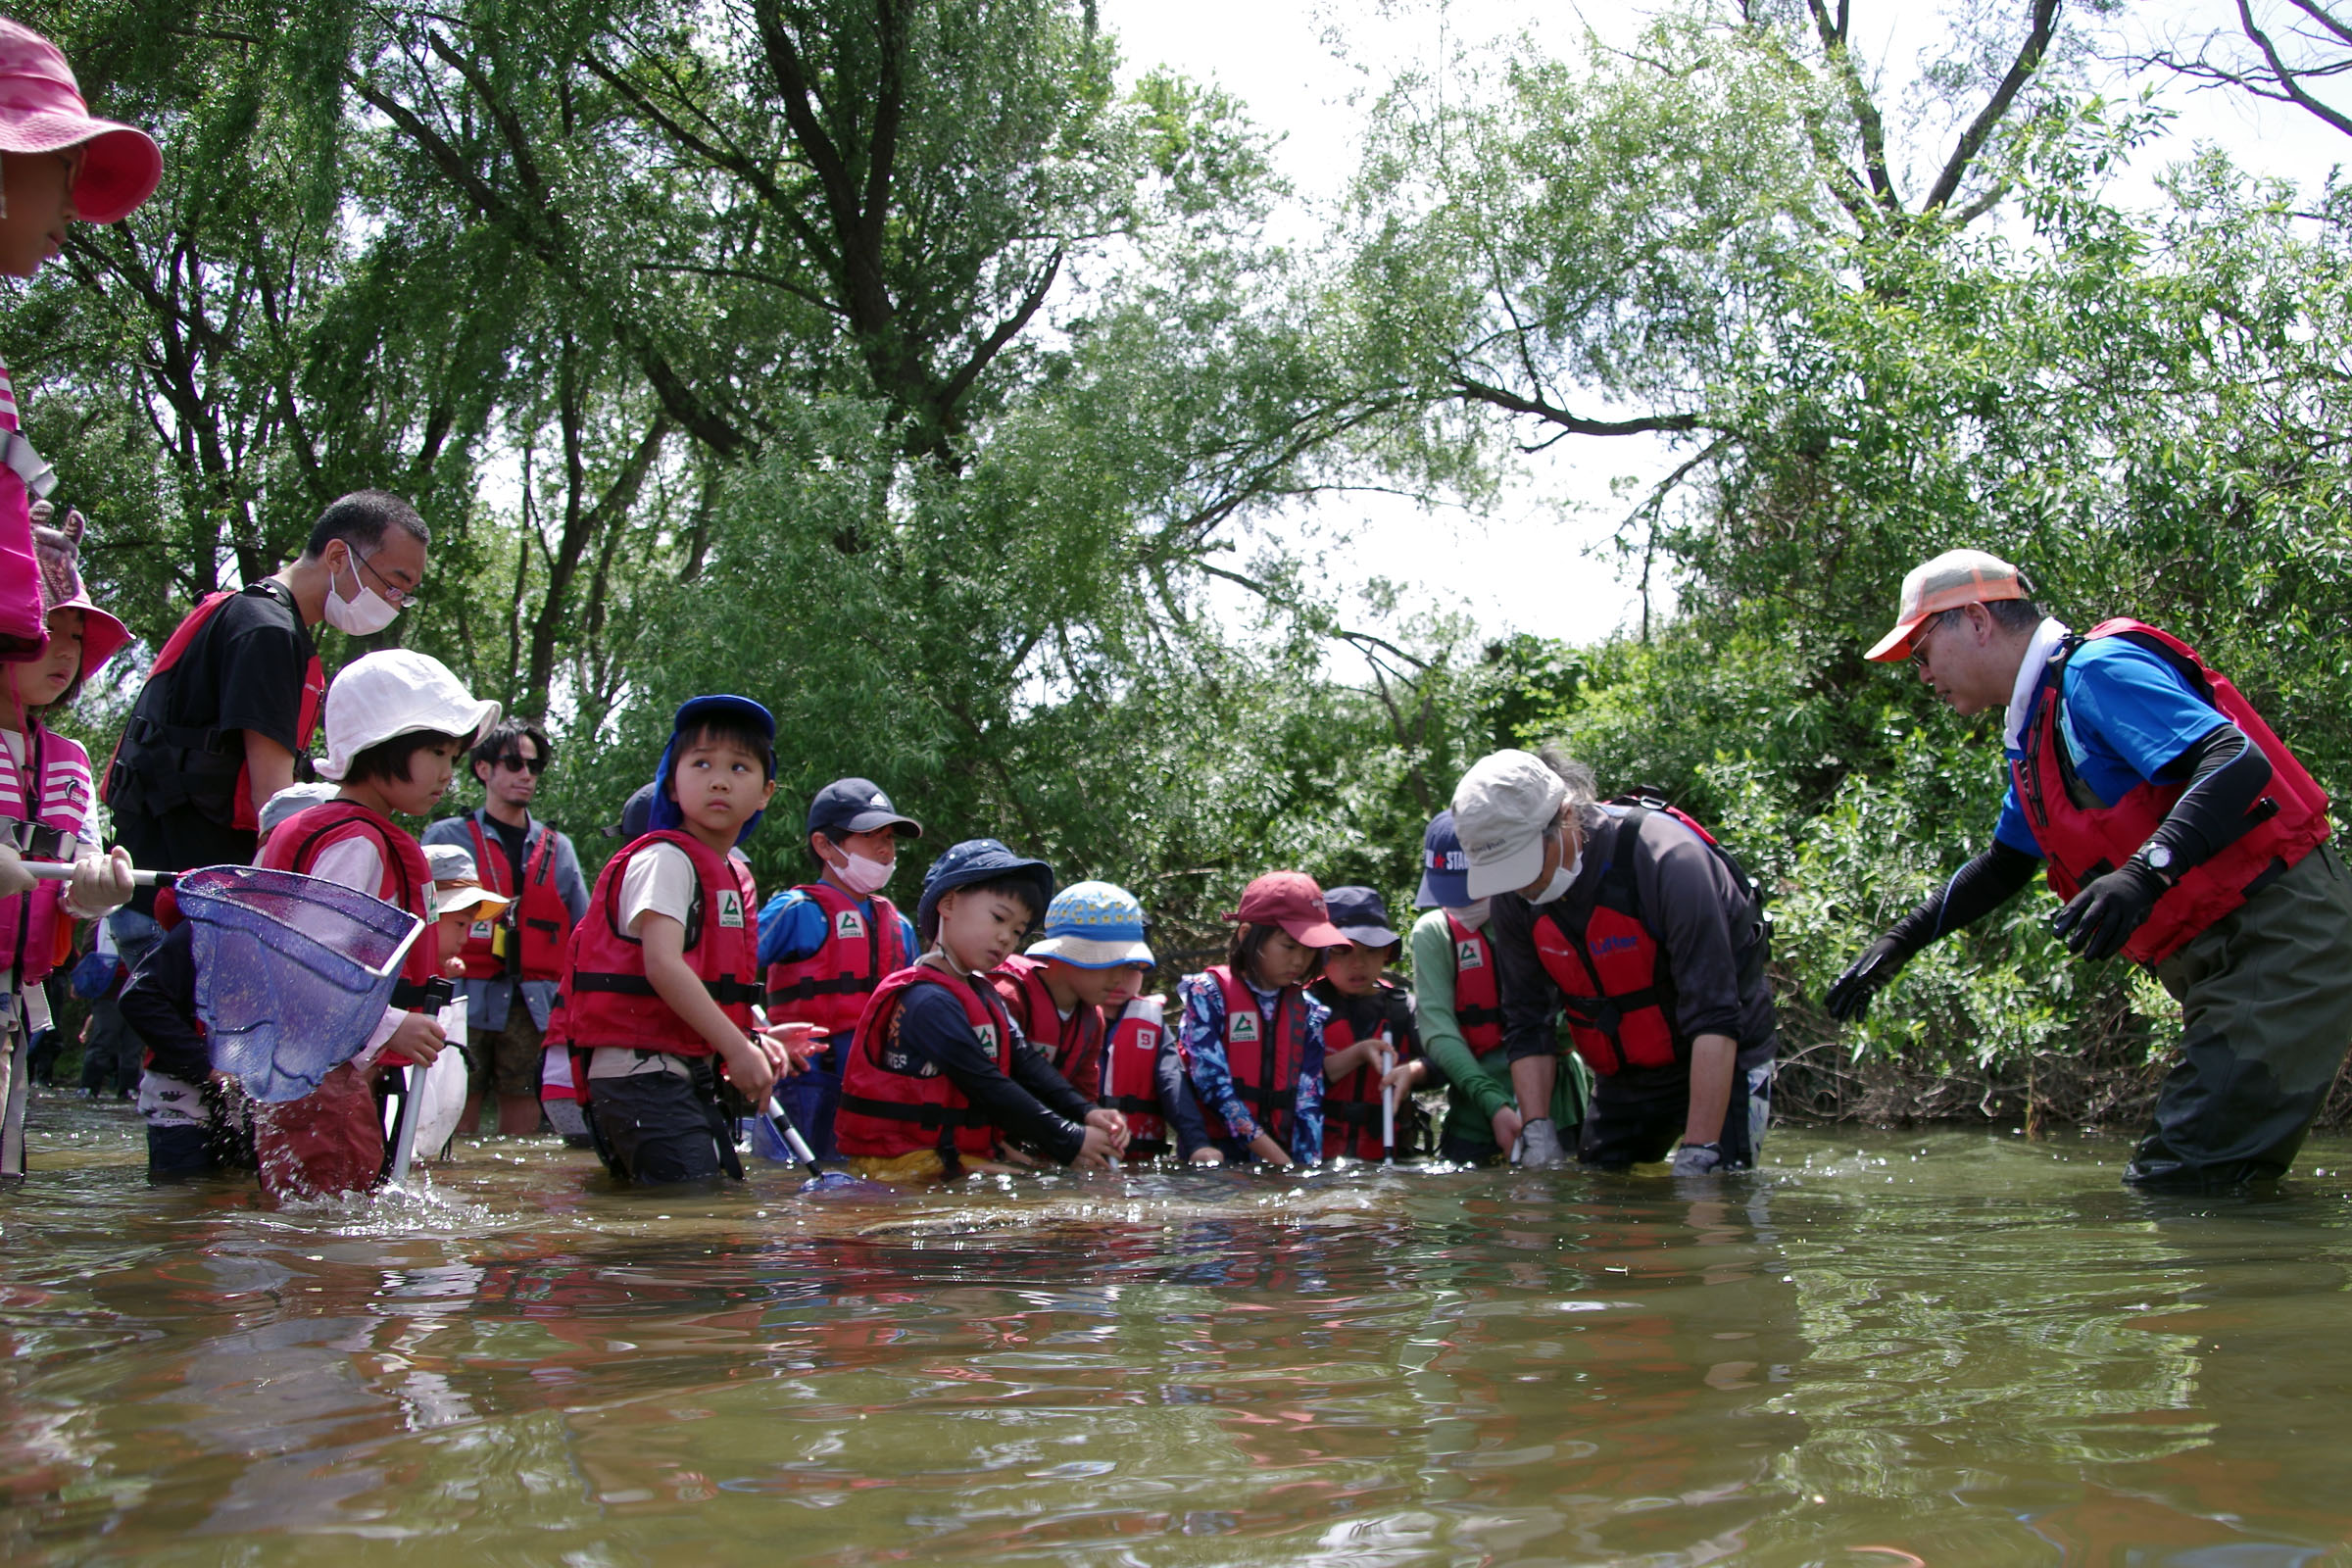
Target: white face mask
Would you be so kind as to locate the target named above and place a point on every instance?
(1561, 880)
(860, 875)
(361, 616)
(1473, 914)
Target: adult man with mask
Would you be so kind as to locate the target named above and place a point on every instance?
(233, 697)
(2182, 834)
(514, 963)
(825, 946)
(1648, 938)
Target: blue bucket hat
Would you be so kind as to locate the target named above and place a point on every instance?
(1445, 868)
(691, 714)
(972, 861)
(1361, 916)
(1095, 925)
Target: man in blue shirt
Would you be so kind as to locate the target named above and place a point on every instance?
(2181, 832)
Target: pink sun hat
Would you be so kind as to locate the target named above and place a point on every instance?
(42, 110)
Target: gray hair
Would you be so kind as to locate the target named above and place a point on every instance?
(1584, 789)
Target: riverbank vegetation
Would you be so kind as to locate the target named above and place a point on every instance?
(904, 364)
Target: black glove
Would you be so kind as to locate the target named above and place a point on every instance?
(1849, 994)
(2103, 916)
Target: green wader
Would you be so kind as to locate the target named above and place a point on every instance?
(2265, 1004)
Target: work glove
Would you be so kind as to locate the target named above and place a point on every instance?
(1848, 1001)
(1699, 1160)
(2103, 916)
(1540, 1145)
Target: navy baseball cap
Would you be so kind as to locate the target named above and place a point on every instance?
(692, 713)
(858, 805)
(972, 861)
(1445, 868)
(1361, 916)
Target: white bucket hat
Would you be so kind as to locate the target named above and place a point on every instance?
(395, 692)
(1500, 810)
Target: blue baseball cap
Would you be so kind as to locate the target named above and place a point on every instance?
(858, 805)
(972, 861)
(1361, 916)
(1445, 868)
(1095, 925)
(691, 714)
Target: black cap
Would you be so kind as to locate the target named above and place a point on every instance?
(858, 805)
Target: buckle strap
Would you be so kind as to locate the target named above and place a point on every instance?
(923, 1115)
(38, 840)
(838, 986)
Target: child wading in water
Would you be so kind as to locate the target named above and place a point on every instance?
(939, 1080)
(664, 969)
(396, 722)
(1457, 1007)
(1371, 1049)
(1252, 1037)
(45, 790)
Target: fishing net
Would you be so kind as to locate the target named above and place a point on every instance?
(292, 973)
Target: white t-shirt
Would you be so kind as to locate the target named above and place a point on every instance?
(659, 879)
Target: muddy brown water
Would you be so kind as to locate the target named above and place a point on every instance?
(1950, 1348)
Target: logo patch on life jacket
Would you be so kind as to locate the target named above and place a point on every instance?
(1147, 1039)
(479, 931)
(849, 923)
(1468, 957)
(985, 1034)
(1603, 947)
(731, 909)
(1243, 1026)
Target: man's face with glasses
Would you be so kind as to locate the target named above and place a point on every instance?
(514, 776)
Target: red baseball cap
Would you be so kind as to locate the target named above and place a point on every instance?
(1952, 579)
(42, 110)
(1292, 901)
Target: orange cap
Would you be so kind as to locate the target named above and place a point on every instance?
(1954, 578)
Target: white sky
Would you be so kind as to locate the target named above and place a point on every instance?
(1309, 69)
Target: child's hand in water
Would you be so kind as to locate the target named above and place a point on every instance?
(1111, 1122)
(1098, 1151)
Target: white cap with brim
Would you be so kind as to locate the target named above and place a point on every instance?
(1502, 810)
(396, 691)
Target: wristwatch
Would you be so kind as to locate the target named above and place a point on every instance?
(2158, 857)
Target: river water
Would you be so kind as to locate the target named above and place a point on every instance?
(1947, 1347)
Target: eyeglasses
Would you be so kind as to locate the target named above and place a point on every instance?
(397, 597)
(535, 764)
(1926, 629)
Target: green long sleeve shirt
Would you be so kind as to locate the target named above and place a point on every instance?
(1475, 1087)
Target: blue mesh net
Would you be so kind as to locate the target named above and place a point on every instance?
(292, 973)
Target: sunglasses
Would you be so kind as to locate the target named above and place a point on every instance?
(535, 764)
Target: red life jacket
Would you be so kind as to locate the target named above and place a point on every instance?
(406, 882)
(50, 792)
(1477, 998)
(606, 998)
(829, 988)
(173, 764)
(1351, 1107)
(538, 919)
(1611, 968)
(1265, 1074)
(2084, 839)
(1074, 1046)
(1131, 1071)
(892, 1103)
